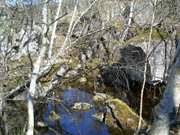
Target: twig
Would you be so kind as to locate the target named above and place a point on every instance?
(82, 14)
(57, 19)
(64, 47)
(145, 70)
(89, 34)
(129, 21)
(54, 30)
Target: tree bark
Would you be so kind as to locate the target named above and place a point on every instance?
(36, 71)
(54, 30)
(170, 101)
(129, 20)
(64, 45)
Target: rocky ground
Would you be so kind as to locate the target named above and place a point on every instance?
(101, 63)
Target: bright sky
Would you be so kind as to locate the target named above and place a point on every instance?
(13, 2)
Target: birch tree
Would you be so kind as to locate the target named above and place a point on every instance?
(170, 100)
(129, 20)
(54, 29)
(36, 70)
(64, 45)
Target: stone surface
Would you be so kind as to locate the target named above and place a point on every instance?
(132, 59)
(130, 67)
(54, 116)
(160, 58)
(144, 12)
(119, 116)
(101, 97)
(124, 114)
(82, 106)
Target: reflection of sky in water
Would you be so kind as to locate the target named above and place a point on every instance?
(75, 123)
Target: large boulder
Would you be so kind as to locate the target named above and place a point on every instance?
(119, 117)
(114, 76)
(160, 56)
(133, 60)
(130, 67)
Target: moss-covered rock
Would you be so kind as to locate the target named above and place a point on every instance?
(124, 114)
(93, 63)
(49, 75)
(84, 81)
(101, 97)
(17, 73)
(118, 25)
(120, 118)
(143, 35)
(54, 116)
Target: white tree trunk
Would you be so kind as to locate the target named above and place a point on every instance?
(64, 46)
(54, 30)
(83, 13)
(35, 73)
(30, 130)
(170, 100)
(36, 70)
(129, 20)
(32, 91)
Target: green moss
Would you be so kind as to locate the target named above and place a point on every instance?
(178, 34)
(123, 107)
(120, 112)
(13, 82)
(19, 80)
(124, 114)
(84, 81)
(144, 36)
(118, 42)
(87, 78)
(48, 77)
(118, 25)
(141, 35)
(76, 83)
(18, 69)
(21, 63)
(117, 131)
(93, 63)
(73, 62)
(53, 116)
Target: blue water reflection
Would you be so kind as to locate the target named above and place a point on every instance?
(75, 122)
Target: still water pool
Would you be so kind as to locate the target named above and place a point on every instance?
(73, 122)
